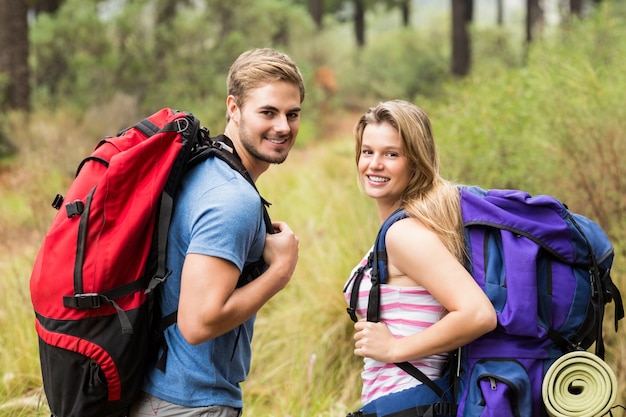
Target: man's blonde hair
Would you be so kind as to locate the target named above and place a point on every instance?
(257, 67)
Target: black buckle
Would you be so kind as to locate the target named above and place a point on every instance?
(75, 209)
(352, 314)
(223, 146)
(58, 201)
(157, 280)
(445, 409)
(82, 301)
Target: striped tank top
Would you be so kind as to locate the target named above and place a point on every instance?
(405, 310)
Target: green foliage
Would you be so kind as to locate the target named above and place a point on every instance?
(178, 62)
(496, 47)
(412, 62)
(7, 148)
(555, 126)
(486, 131)
(581, 78)
(67, 59)
(335, 224)
(401, 63)
(415, 65)
(560, 114)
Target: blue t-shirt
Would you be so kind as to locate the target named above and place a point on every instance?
(216, 213)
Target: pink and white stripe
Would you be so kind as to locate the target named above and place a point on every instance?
(406, 311)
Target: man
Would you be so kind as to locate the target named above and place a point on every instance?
(218, 228)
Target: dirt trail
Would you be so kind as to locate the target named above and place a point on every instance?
(339, 125)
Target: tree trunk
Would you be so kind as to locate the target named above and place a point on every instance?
(359, 22)
(316, 8)
(469, 11)
(576, 8)
(500, 13)
(461, 42)
(165, 13)
(15, 93)
(46, 6)
(533, 17)
(405, 5)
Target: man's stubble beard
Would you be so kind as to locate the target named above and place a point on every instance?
(249, 146)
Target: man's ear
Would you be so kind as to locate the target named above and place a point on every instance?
(233, 108)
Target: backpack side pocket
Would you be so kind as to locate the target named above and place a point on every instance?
(498, 388)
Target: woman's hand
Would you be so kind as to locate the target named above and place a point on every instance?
(373, 340)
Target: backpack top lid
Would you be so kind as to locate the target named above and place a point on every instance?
(541, 218)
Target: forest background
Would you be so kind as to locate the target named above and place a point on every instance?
(546, 116)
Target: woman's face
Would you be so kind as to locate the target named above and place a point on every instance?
(383, 168)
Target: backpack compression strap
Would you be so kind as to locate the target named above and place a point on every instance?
(603, 291)
(167, 197)
(189, 130)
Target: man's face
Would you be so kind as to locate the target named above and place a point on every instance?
(268, 123)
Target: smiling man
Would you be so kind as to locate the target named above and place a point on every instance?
(217, 232)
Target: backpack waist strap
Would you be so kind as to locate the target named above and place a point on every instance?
(428, 410)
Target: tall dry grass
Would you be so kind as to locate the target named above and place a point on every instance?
(519, 129)
(302, 363)
(303, 357)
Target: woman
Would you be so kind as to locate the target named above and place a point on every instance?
(430, 304)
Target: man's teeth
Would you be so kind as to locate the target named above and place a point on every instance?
(278, 141)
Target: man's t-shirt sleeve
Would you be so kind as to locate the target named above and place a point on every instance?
(226, 223)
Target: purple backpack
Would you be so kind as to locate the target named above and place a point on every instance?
(547, 272)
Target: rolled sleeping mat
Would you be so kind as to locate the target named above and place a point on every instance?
(579, 384)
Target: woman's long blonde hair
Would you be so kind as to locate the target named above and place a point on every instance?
(428, 197)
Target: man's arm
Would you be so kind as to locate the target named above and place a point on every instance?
(211, 305)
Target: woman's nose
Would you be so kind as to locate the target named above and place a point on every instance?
(377, 162)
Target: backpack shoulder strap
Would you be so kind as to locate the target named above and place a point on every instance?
(379, 265)
(222, 147)
(377, 260)
(379, 275)
(191, 137)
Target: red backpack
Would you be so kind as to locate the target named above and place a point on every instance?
(94, 277)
